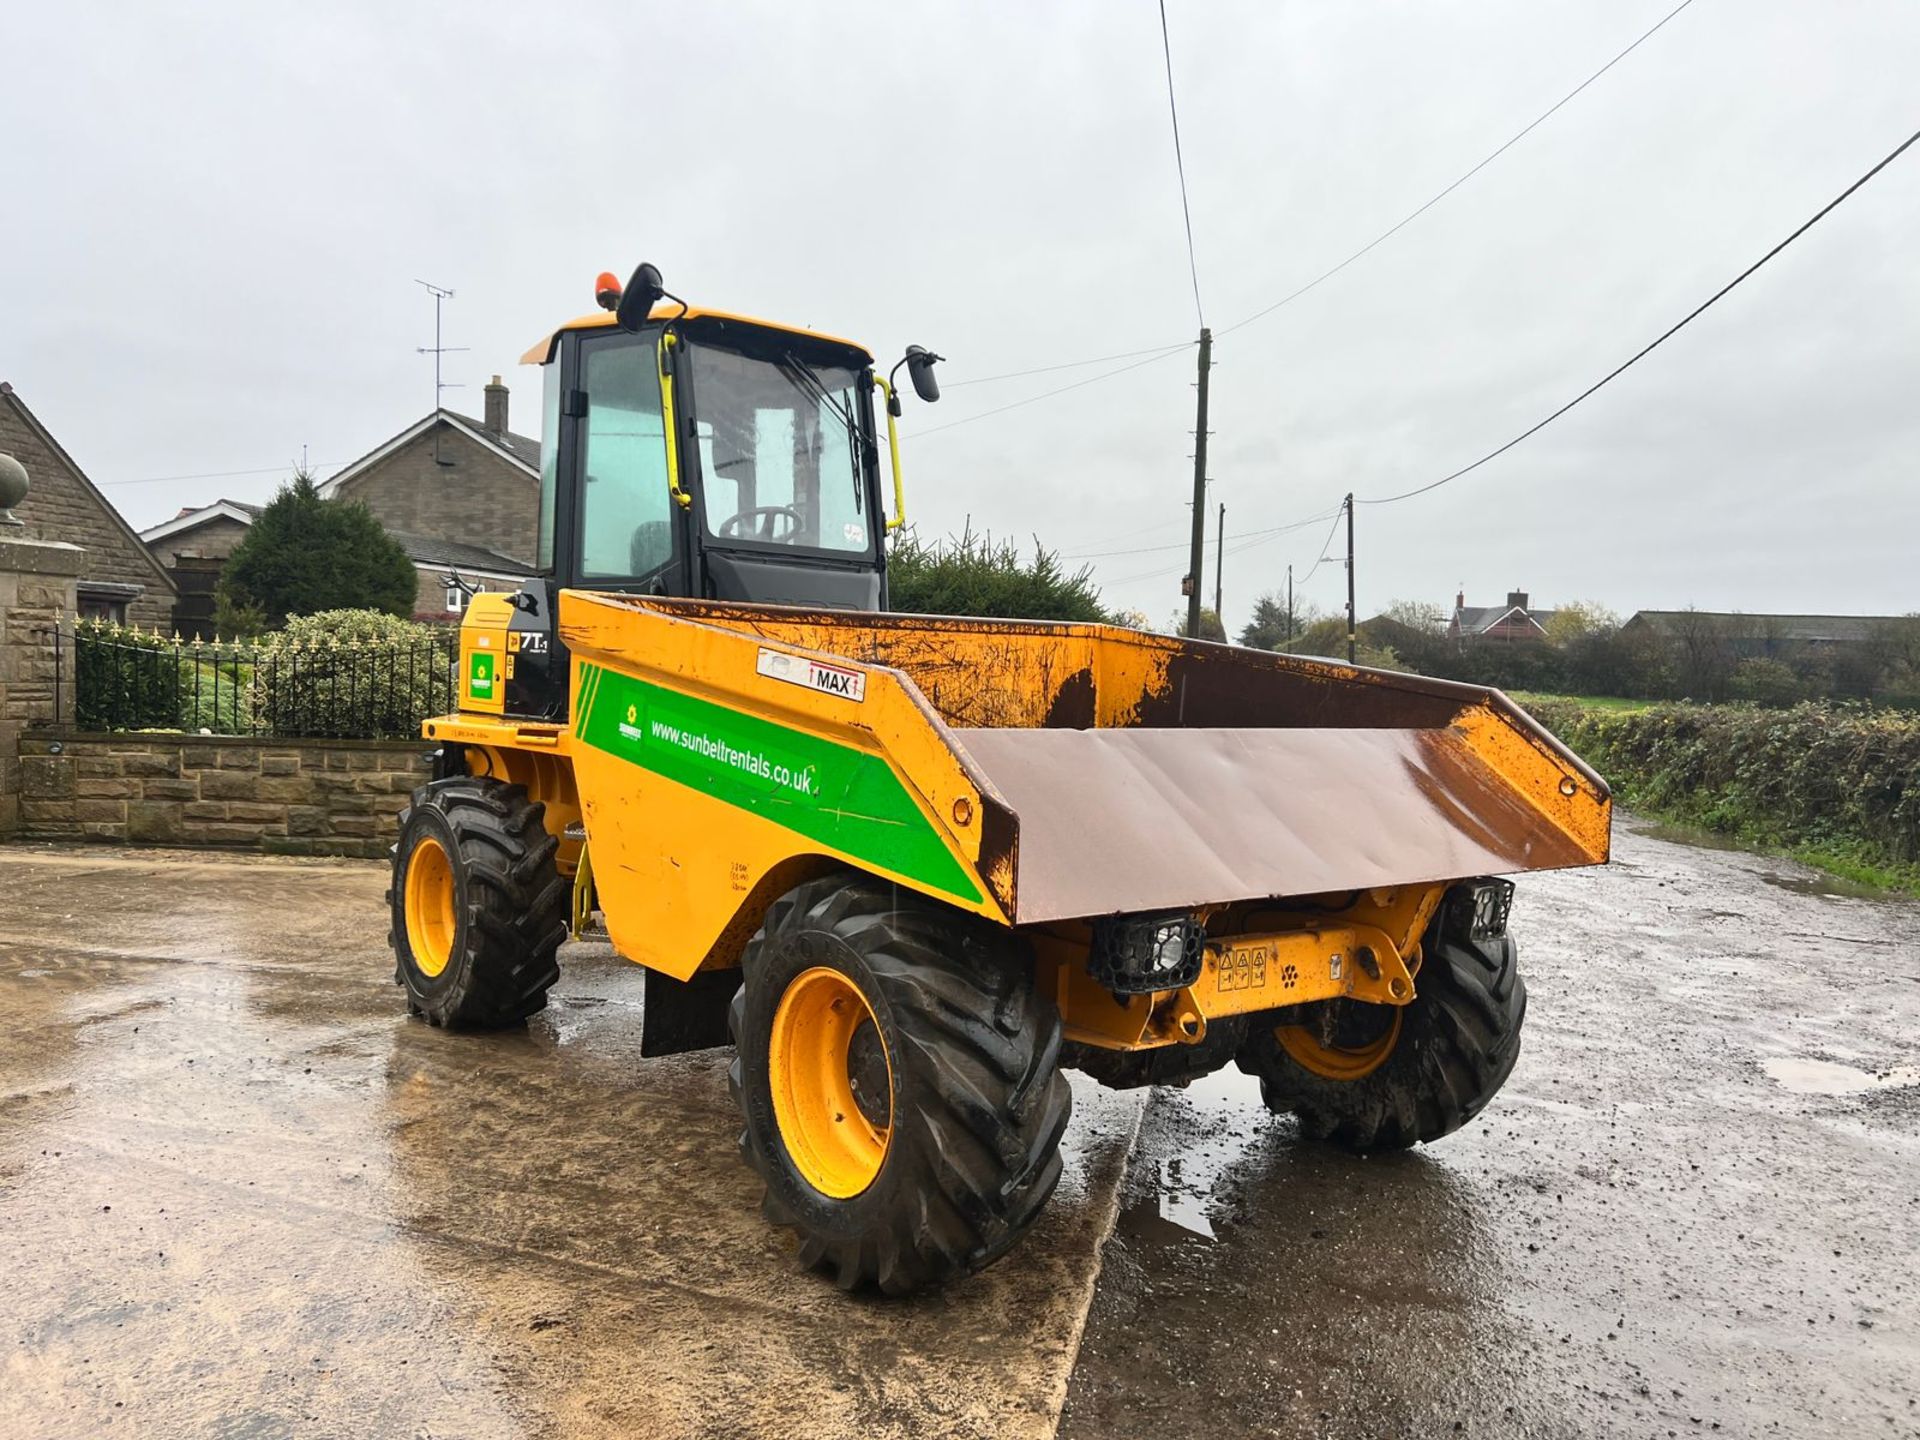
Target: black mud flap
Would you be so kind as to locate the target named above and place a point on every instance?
(683, 1015)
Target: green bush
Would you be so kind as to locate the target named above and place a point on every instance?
(1817, 776)
(351, 674)
(125, 679)
(970, 574)
(1766, 682)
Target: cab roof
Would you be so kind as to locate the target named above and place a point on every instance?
(542, 352)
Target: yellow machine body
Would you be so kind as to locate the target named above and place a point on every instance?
(1310, 815)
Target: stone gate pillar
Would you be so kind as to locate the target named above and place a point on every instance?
(37, 589)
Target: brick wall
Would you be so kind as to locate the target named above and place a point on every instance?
(477, 498)
(36, 590)
(64, 506)
(286, 797)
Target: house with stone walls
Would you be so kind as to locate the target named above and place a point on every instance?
(122, 580)
(471, 482)
(195, 545)
(462, 496)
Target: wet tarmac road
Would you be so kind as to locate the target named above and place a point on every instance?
(242, 1196)
(1693, 1210)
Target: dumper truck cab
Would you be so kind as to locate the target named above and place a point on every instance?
(697, 453)
(912, 867)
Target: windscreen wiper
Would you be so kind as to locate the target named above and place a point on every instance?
(800, 373)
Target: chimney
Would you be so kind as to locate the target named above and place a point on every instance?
(1460, 600)
(1516, 598)
(496, 406)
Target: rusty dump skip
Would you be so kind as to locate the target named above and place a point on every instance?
(1169, 819)
(1121, 771)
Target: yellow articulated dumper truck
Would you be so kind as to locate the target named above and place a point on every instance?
(912, 868)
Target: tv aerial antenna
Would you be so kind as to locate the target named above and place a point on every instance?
(440, 294)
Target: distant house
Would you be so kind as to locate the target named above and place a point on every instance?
(195, 545)
(1771, 637)
(474, 482)
(122, 581)
(1512, 623)
(462, 496)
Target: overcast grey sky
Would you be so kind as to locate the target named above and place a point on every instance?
(215, 215)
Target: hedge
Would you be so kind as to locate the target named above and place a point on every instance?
(1815, 776)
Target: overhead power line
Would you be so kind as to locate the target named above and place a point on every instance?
(1049, 394)
(1411, 216)
(288, 468)
(946, 384)
(1325, 275)
(1661, 339)
(1173, 111)
(1267, 533)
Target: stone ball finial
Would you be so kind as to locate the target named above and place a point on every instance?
(13, 488)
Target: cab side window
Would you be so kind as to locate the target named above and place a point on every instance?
(627, 529)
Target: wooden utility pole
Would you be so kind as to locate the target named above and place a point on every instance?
(1197, 559)
(1350, 624)
(1289, 607)
(1219, 565)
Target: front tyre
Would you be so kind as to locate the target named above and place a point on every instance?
(899, 1078)
(1380, 1077)
(479, 909)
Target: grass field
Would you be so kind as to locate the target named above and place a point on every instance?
(1590, 702)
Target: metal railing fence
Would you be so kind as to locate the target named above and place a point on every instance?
(127, 679)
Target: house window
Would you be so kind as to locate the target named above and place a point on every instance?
(104, 600)
(457, 598)
(94, 607)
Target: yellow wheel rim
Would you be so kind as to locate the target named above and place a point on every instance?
(431, 920)
(1336, 1062)
(836, 1142)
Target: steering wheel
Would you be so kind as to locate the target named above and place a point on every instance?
(762, 522)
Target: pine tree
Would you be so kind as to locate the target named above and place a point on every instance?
(304, 554)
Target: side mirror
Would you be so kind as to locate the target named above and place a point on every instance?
(643, 292)
(920, 363)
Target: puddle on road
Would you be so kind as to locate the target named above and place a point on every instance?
(1829, 1077)
(1223, 1106)
(1828, 887)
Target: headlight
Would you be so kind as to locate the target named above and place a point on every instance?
(1484, 909)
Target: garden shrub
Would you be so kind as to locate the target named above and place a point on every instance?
(1817, 775)
(352, 674)
(124, 678)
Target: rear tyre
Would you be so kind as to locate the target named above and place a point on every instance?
(899, 1078)
(1399, 1076)
(479, 909)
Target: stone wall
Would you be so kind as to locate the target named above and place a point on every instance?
(286, 797)
(213, 539)
(36, 591)
(64, 506)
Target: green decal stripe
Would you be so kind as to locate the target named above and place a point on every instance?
(830, 793)
(589, 684)
(584, 701)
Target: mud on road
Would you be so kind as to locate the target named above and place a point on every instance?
(242, 1195)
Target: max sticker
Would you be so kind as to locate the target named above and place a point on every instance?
(840, 680)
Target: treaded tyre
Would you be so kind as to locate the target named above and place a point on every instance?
(1400, 1076)
(899, 1078)
(479, 910)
